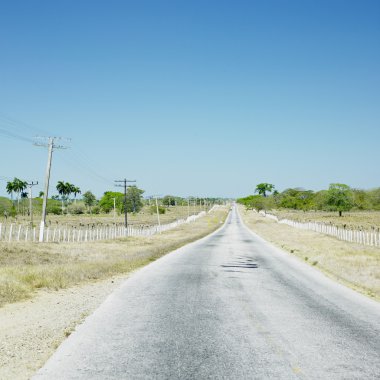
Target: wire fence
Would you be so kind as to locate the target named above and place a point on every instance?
(22, 233)
(364, 237)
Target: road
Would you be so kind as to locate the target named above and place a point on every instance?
(229, 306)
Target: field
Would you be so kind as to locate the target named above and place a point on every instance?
(144, 218)
(366, 220)
(354, 265)
(25, 267)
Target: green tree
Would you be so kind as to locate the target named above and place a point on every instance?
(134, 199)
(169, 200)
(339, 197)
(17, 186)
(258, 202)
(106, 201)
(62, 188)
(251, 202)
(89, 199)
(297, 199)
(70, 188)
(374, 196)
(361, 199)
(76, 190)
(10, 189)
(264, 188)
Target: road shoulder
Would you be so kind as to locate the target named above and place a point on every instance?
(352, 265)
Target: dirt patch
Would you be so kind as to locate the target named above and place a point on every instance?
(32, 330)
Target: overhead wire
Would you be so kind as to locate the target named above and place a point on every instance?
(2, 178)
(80, 152)
(13, 136)
(16, 129)
(73, 161)
(20, 125)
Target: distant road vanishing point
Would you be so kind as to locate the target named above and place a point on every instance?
(229, 306)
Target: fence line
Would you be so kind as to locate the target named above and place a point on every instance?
(18, 233)
(364, 237)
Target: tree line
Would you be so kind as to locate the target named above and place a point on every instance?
(338, 197)
(65, 202)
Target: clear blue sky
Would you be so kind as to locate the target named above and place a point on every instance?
(193, 97)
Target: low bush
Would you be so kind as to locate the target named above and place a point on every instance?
(76, 209)
(161, 210)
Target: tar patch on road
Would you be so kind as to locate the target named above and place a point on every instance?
(242, 263)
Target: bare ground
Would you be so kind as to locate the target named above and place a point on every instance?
(30, 331)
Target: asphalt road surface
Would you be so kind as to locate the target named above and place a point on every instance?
(229, 306)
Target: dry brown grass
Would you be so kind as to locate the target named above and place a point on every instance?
(25, 268)
(354, 265)
(355, 219)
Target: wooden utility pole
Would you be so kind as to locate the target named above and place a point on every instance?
(114, 210)
(31, 184)
(125, 185)
(158, 215)
(51, 146)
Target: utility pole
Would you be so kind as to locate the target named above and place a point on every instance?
(124, 184)
(114, 210)
(51, 146)
(158, 215)
(31, 184)
(157, 210)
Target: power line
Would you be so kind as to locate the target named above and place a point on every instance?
(18, 124)
(16, 129)
(76, 160)
(14, 136)
(5, 178)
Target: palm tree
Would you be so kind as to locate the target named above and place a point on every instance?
(76, 190)
(10, 189)
(62, 190)
(69, 190)
(19, 187)
(24, 195)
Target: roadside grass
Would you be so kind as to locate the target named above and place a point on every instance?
(145, 217)
(25, 268)
(353, 219)
(354, 265)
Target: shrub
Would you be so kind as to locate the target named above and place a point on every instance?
(5, 205)
(161, 210)
(76, 209)
(56, 210)
(95, 210)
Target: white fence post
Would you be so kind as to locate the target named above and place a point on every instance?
(10, 232)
